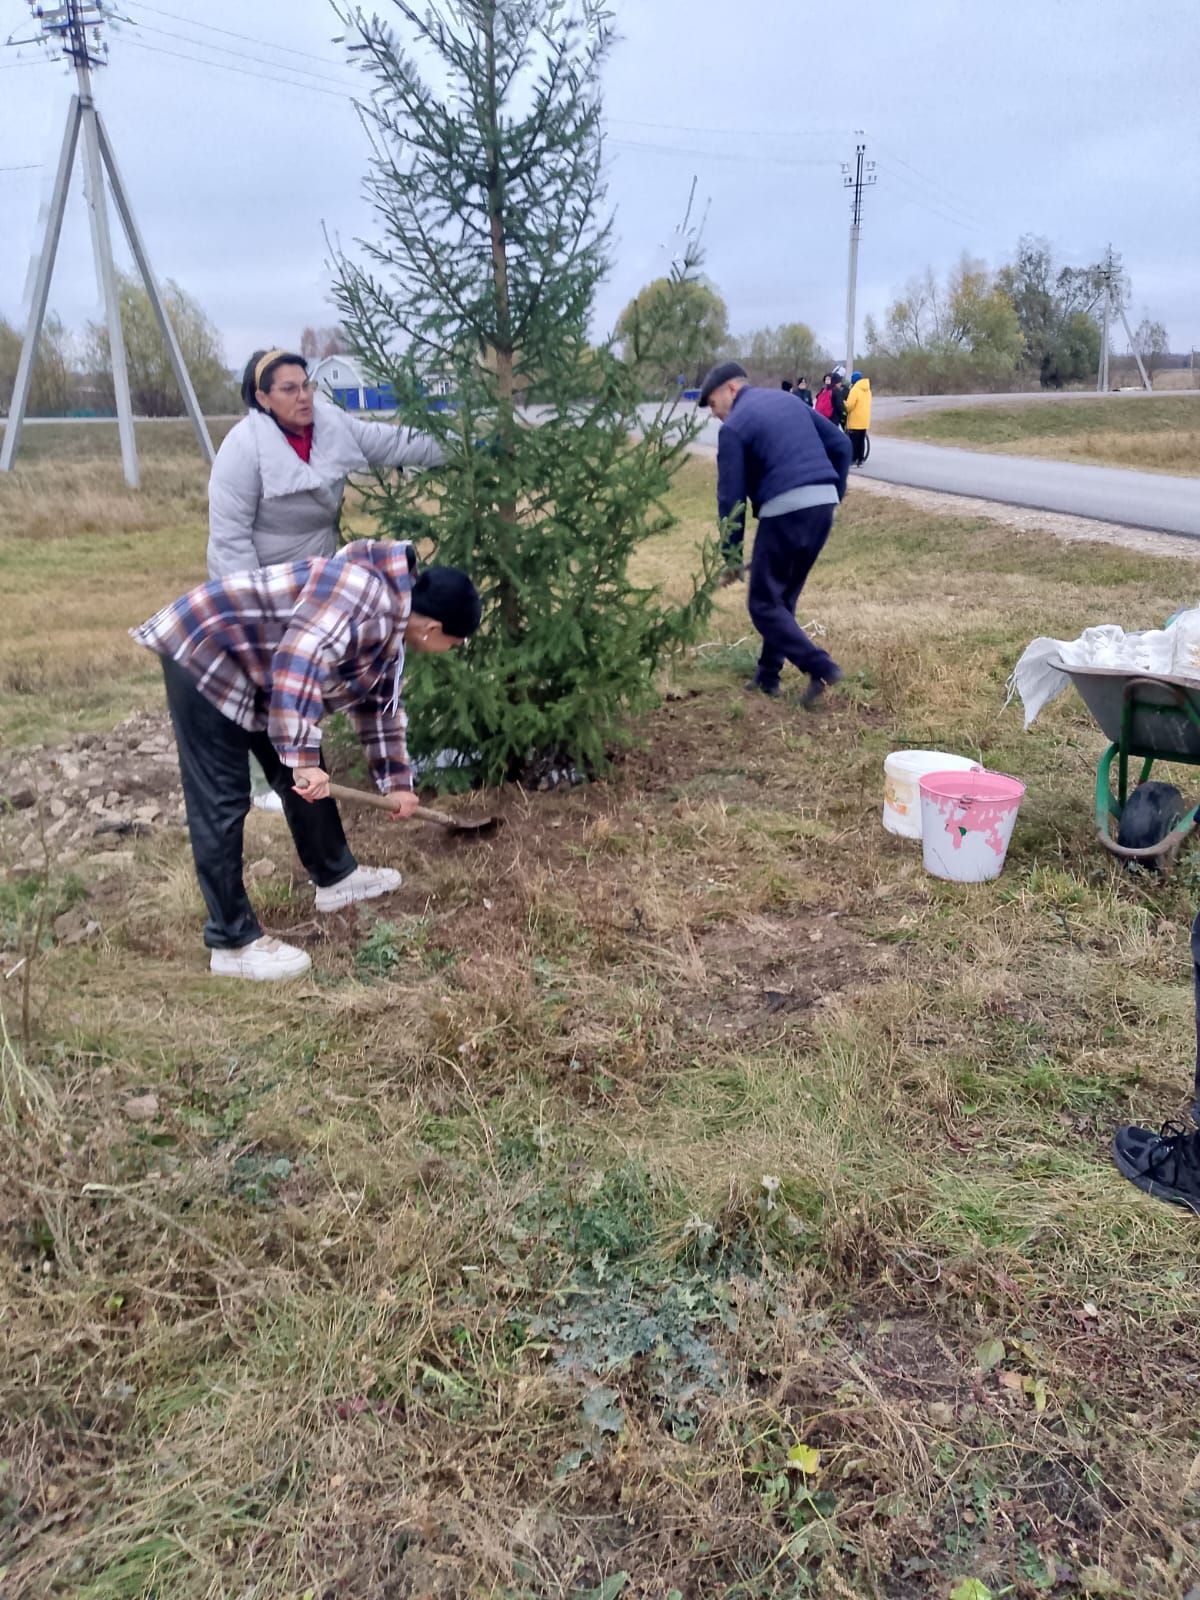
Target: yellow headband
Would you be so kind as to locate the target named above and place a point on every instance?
(271, 355)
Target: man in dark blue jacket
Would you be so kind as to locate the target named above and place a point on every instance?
(790, 465)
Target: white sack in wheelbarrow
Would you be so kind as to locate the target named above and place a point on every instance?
(1173, 652)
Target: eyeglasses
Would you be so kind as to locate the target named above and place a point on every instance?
(291, 390)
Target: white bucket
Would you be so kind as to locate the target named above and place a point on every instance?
(967, 822)
(902, 774)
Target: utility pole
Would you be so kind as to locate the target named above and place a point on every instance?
(1106, 271)
(1114, 296)
(74, 27)
(861, 177)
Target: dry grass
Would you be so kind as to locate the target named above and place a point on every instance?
(77, 546)
(1153, 435)
(641, 1193)
(1176, 378)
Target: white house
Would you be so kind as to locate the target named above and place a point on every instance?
(347, 383)
(341, 378)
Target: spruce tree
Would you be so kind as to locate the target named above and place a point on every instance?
(486, 184)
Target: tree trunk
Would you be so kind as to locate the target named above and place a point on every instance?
(506, 420)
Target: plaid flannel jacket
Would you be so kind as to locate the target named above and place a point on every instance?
(278, 647)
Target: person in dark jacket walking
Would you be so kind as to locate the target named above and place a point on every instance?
(790, 465)
(803, 391)
(839, 389)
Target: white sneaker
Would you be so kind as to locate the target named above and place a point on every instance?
(364, 883)
(268, 802)
(264, 960)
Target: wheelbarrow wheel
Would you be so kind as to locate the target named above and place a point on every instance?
(1152, 811)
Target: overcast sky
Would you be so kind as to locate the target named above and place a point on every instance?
(1075, 119)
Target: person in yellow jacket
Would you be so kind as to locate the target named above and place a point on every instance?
(858, 415)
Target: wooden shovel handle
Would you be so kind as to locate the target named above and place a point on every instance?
(364, 797)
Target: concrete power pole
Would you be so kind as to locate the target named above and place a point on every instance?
(1114, 297)
(1107, 272)
(858, 178)
(75, 27)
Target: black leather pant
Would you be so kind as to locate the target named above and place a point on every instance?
(215, 767)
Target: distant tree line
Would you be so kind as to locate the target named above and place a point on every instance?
(1033, 322)
(1030, 323)
(73, 374)
(673, 331)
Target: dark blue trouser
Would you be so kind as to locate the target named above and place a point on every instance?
(1196, 993)
(785, 548)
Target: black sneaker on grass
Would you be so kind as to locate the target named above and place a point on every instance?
(1165, 1164)
(753, 686)
(818, 686)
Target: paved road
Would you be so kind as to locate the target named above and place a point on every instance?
(1109, 494)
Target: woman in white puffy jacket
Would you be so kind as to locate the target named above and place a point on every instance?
(277, 483)
(275, 495)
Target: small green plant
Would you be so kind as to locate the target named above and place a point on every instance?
(256, 1178)
(390, 944)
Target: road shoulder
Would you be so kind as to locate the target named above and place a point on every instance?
(1070, 529)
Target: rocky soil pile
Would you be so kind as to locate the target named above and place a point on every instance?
(89, 793)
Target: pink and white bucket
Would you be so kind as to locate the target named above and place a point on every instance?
(967, 820)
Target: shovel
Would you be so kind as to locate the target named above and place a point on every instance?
(440, 819)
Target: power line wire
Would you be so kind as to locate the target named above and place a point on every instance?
(244, 72)
(915, 196)
(947, 195)
(240, 55)
(246, 38)
(932, 183)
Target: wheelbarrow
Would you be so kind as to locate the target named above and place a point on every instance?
(1147, 718)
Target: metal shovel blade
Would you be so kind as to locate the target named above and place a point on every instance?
(482, 827)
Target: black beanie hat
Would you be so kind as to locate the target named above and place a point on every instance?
(448, 596)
